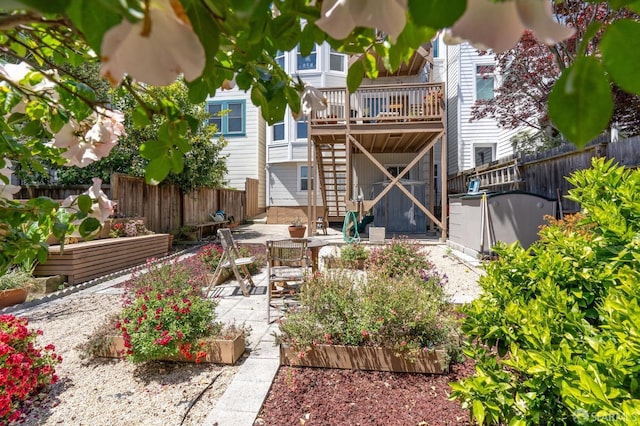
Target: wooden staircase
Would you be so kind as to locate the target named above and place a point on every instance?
(331, 160)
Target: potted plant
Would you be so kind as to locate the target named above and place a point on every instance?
(14, 287)
(297, 229)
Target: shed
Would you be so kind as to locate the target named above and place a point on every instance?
(478, 220)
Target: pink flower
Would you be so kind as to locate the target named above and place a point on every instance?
(154, 50)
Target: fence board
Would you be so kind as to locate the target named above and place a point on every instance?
(233, 203)
(198, 205)
(251, 188)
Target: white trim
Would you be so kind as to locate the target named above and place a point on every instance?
(492, 145)
(299, 178)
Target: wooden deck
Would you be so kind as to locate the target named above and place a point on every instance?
(87, 260)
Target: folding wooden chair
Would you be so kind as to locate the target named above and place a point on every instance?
(231, 259)
(287, 266)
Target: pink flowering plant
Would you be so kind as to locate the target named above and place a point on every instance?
(407, 312)
(165, 312)
(25, 368)
(401, 257)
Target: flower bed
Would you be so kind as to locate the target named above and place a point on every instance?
(395, 317)
(165, 316)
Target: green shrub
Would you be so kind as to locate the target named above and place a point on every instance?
(556, 331)
(353, 256)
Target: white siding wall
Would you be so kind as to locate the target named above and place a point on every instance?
(283, 186)
(243, 151)
(451, 56)
(262, 161)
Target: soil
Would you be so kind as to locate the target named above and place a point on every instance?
(314, 396)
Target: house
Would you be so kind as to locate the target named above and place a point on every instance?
(469, 76)
(242, 125)
(376, 151)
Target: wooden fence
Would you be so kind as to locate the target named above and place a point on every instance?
(545, 174)
(163, 206)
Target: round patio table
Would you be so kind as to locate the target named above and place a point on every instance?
(314, 244)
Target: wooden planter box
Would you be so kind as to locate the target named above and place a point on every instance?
(366, 358)
(218, 351)
(87, 260)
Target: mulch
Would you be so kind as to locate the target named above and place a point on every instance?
(314, 396)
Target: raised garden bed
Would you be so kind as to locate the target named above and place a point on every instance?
(366, 358)
(87, 260)
(218, 351)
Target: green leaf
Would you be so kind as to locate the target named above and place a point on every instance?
(157, 170)
(618, 41)
(88, 226)
(436, 13)
(478, 411)
(93, 19)
(355, 76)
(285, 30)
(370, 65)
(84, 203)
(177, 161)
(206, 29)
(48, 6)
(580, 103)
(198, 90)
(140, 117)
(153, 149)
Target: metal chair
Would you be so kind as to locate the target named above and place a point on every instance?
(287, 266)
(231, 259)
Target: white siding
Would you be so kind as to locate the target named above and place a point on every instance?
(262, 162)
(452, 76)
(283, 186)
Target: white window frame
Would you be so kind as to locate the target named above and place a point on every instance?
(332, 52)
(478, 75)
(300, 178)
(303, 120)
(493, 147)
(272, 139)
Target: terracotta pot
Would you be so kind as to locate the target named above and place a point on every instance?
(297, 231)
(13, 296)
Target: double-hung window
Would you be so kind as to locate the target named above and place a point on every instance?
(336, 60)
(278, 132)
(280, 58)
(485, 82)
(228, 116)
(303, 178)
(301, 129)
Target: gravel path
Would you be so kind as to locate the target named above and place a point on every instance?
(111, 391)
(115, 392)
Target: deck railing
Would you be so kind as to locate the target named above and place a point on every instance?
(382, 103)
